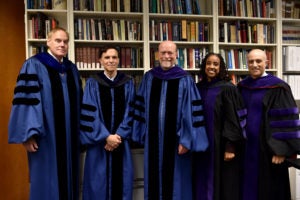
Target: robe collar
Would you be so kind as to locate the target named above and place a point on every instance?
(119, 79)
(268, 81)
(172, 73)
(48, 60)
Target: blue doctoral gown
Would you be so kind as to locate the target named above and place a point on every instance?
(46, 106)
(106, 110)
(168, 113)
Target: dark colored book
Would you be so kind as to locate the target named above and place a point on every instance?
(188, 7)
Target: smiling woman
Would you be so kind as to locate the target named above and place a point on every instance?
(14, 182)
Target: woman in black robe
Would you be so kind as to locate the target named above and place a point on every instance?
(217, 171)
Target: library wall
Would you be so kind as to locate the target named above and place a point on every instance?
(13, 164)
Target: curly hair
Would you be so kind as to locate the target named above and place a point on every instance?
(223, 75)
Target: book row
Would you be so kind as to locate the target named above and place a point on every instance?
(107, 29)
(291, 9)
(39, 25)
(243, 32)
(108, 5)
(182, 30)
(291, 34)
(237, 58)
(294, 82)
(247, 8)
(175, 6)
(47, 4)
(86, 58)
(187, 58)
(291, 58)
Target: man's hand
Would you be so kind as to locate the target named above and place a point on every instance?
(31, 145)
(228, 156)
(112, 142)
(182, 149)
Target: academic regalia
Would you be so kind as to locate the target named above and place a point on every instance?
(168, 112)
(272, 129)
(225, 116)
(106, 110)
(46, 107)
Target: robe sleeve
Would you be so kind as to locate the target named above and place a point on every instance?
(26, 117)
(235, 119)
(139, 116)
(283, 122)
(92, 127)
(192, 133)
(125, 128)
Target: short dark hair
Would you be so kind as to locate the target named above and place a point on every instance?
(104, 49)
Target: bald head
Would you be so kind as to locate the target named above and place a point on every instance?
(257, 62)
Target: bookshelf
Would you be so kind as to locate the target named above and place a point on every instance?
(153, 22)
(291, 45)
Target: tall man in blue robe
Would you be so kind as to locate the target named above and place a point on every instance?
(272, 132)
(168, 121)
(106, 127)
(45, 118)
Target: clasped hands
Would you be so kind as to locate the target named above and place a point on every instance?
(112, 142)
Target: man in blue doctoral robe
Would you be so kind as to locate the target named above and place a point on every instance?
(45, 118)
(106, 126)
(168, 121)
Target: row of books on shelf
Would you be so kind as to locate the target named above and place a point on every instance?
(291, 58)
(47, 4)
(243, 32)
(291, 9)
(39, 25)
(237, 58)
(108, 5)
(35, 49)
(187, 58)
(294, 82)
(87, 57)
(291, 34)
(247, 8)
(175, 6)
(107, 29)
(182, 30)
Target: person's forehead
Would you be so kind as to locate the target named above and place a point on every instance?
(167, 46)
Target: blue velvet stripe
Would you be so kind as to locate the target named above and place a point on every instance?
(285, 124)
(283, 111)
(286, 135)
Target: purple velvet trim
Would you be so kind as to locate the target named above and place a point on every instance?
(243, 125)
(284, 123)
(283, 111)
(172, 73)
(242, 112)
(268, 81)
(286, 135)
